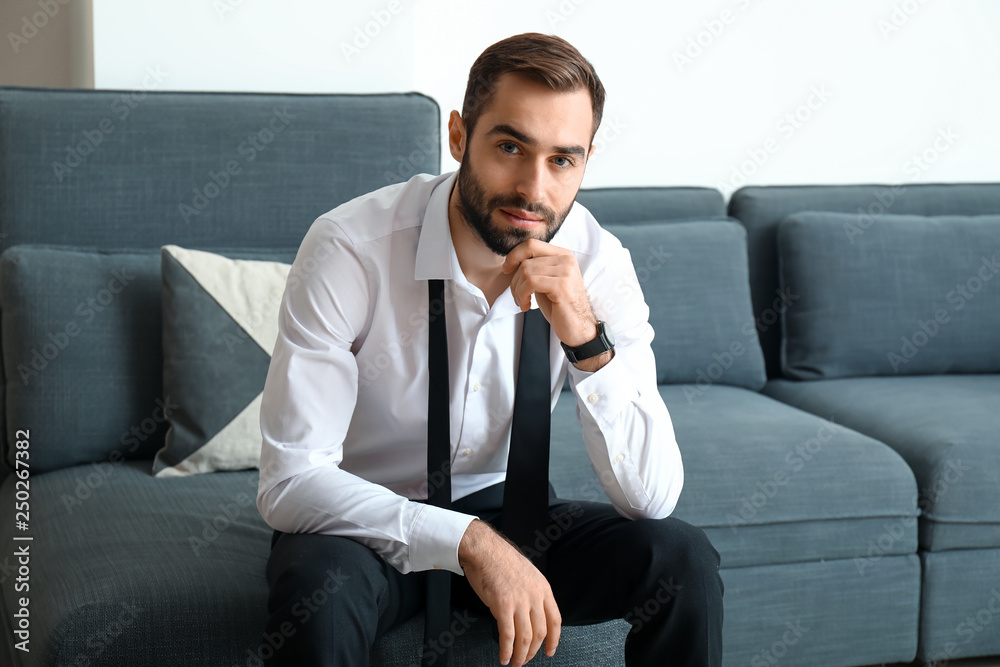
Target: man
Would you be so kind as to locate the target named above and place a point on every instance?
(344, 464)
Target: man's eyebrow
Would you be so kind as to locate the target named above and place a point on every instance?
(503, 128)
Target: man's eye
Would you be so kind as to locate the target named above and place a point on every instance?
(564, 162)
(508, 147)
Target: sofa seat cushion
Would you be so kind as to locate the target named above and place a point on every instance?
(767, 482)
(127, 568)
(946, 428)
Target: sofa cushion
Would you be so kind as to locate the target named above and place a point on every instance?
(81, 352)
(200, 169)
(945, 427)
(762, 208)
(220, 322)
(767, 482)
(693, 276)
(907, 295)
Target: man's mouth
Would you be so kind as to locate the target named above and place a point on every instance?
(521, 218)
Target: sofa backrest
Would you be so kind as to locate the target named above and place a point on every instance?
(113, 170)
(762, 208)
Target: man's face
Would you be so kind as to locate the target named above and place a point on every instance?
(523, 165)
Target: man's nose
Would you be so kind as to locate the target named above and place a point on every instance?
(530, 184)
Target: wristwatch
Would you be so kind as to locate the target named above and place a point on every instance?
(605, 341)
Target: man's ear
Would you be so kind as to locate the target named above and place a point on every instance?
(456, 136)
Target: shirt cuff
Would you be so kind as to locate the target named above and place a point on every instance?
(604, 393)
(435, 537)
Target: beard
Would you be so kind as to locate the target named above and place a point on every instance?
(477, 208)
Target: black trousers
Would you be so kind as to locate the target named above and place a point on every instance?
(330, 597)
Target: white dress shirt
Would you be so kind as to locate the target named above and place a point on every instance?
(344, 408)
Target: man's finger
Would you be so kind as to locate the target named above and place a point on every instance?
(538, 628)
(505, 626)
(526, 250)
(554, 620)
(522, 638)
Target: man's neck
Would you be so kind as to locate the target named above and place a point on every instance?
(481, 266)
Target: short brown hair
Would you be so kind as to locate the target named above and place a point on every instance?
(545, 58)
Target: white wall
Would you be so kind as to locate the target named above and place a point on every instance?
(714, 93)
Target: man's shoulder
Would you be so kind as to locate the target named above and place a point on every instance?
(382, 212)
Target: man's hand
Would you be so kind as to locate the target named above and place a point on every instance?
(552, 274)
(517, 594)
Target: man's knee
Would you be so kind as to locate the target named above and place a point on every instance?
(677, 549)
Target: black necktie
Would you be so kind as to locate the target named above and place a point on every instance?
(526, 491)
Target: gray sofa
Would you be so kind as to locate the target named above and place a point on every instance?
(792, 480)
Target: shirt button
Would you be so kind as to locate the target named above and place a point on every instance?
(466, 452)
(593, 398)
(477, 387)
(437, 567)
(619, 458)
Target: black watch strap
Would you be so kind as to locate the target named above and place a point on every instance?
(605, 341)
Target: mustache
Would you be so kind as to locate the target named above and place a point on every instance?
(515, 201)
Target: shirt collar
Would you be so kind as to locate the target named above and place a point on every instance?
(436, 257)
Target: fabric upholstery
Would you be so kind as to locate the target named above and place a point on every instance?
(960, 605)
(81, 349)
(767, 482)
(693, 276)
(113, 544)
(256, 168)
(220, 322)
(628, 205)
(761, 208)
(822, 613)
(944, 426)
(909, 295)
